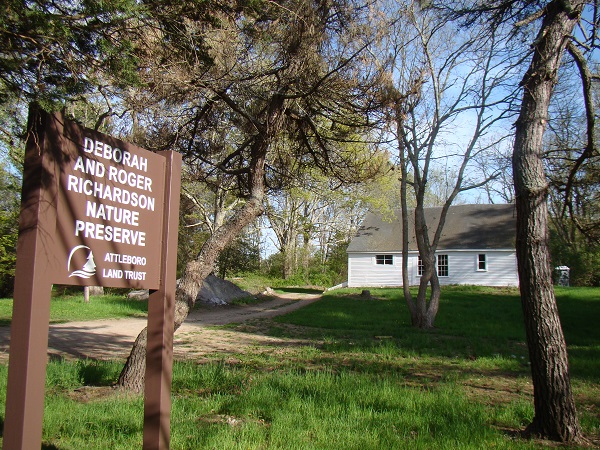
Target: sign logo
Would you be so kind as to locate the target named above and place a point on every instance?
(89, 267)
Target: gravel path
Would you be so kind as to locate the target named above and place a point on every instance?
(196, 338)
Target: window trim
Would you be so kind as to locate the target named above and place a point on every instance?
(443, 267)
(386, 260)
(478, 262)
(437, 265)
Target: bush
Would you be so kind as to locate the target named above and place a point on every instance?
(9, 227)
(582, 258)
(316, 273)
(240, 256)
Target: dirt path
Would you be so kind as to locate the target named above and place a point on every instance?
(197, 337)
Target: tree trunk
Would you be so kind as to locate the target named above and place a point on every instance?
(133, 374)
(410, 303)
(555, 414)
(422, 312)
(289, 251)
(426, 309)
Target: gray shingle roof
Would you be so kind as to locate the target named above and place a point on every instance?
(467, 227)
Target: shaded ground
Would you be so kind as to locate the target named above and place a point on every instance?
(203, 334)
(112, 339)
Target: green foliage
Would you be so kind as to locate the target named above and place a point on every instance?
(54, 52)
(273, 266)
(8, 260)
(462, 386)
(474, 322)
(209, 379)
(62, 375)
(337, 262)
(242, 255)
(574, 181)
(9, 230)
(255, 283)
(577, 253)
(189, 244)
(317, 271)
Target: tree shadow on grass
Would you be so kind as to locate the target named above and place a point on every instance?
(95, 372)
(298, 290)
(584, 362)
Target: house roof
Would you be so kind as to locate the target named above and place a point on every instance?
(467, 227)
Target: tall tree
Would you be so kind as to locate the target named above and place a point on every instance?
(284, 212)
(555, 413)
(555, 21)
(316, 212)
(261, 73)
(438, 79)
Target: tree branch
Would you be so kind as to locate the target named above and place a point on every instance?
(586, 81)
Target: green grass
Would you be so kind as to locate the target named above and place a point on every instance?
(253, 283)
(362, 379)
(72, 308)
(257, 284)
(473, 322)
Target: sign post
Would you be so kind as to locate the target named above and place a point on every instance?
(161, 306)
(95, 211)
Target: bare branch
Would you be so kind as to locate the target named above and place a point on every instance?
(586, 81)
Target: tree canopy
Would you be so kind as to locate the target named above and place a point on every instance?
(53, 50)
(283, 105)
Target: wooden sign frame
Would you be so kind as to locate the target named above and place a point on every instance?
(53, 148)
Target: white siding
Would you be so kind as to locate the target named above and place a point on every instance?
(462, 269)
(363, 272)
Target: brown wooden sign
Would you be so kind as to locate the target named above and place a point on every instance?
(94, 211)
(109, 210)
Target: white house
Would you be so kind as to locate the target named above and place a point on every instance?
(477, 247)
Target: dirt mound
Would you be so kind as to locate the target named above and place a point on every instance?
(215, 291)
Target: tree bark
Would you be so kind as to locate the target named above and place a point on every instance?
(423, 311)
(555, 414)
(133, 373)
(410, 303)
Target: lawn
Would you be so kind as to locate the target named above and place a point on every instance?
(70, 308)
(361, 378)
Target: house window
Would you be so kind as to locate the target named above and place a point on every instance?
(481, 262)
(442, 265)
(386, 260)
